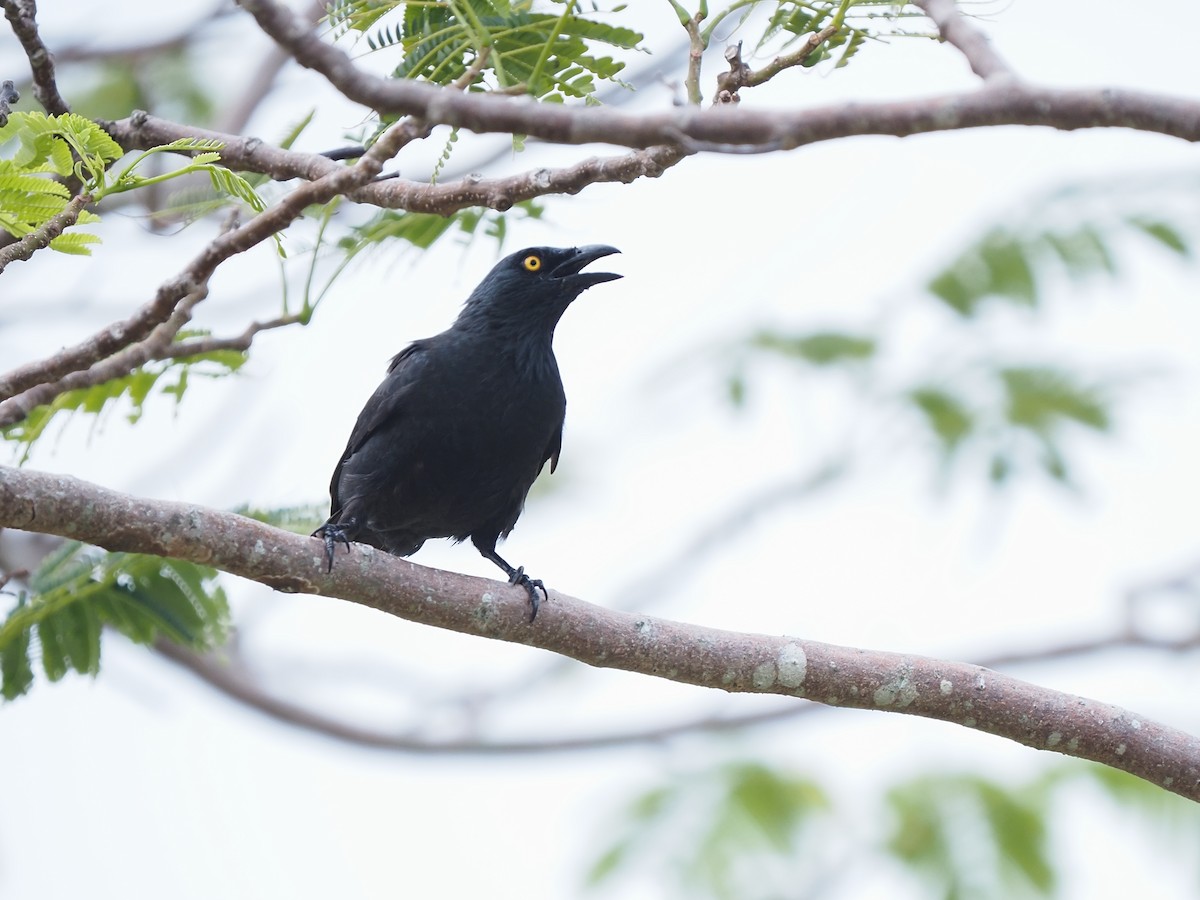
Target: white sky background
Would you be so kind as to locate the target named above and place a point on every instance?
(143, 784)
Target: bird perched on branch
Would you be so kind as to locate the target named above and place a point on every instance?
(451, 441)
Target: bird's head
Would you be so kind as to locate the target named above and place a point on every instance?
(533, 287)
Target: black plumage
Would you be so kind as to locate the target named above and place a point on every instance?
(451, 441)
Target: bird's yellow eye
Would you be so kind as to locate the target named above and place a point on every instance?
(532, 262)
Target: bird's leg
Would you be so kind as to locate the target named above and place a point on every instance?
(517, 576)
(335, 533)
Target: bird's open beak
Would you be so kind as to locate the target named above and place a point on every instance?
(570, 269)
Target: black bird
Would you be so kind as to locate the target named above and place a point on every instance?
(451, 441)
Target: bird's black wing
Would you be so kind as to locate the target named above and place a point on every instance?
(383, 407)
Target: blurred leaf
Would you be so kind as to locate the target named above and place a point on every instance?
(608, 863)
(999, 469)
(737, 389)
(956, 286)
(78, 590)
(948, 417)
(971, 837)
(16, 670)
(777, 804)
(1166, 234)
(1018, 824)
(1009, 270)
(703, 825)
(820, 348)
(1083, 252)
(1040, 398)
(296, 519)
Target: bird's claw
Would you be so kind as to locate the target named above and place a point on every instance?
(532, 585)
(332, 535)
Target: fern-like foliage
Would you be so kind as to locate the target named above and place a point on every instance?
(79, 590)
(548, 55)
(42, 152)
(170, 377)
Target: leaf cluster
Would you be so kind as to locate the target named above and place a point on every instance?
(747, 830)
(506, 44)
(1015, 264)
(41, 153)
(711, 829)
(79, 590)
(1008, 413)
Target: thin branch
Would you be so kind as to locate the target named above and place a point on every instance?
(790, 60)
(241, 342)
(22, 16)
(966, 695)
(247, 154)
(956, 30)
(49, 230)
(729, 128)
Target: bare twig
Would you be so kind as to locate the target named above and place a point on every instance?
(962, 694)
(41, 238)
(242, 342)
(740, 75)
(22, 16)
(970, 41)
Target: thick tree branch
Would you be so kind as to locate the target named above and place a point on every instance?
(837, 676)
(22, 16)
(970, 41)
(728, 127)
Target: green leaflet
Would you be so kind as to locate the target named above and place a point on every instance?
(80, 590)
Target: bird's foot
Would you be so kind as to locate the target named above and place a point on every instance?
(532, 585)
(333, 535)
